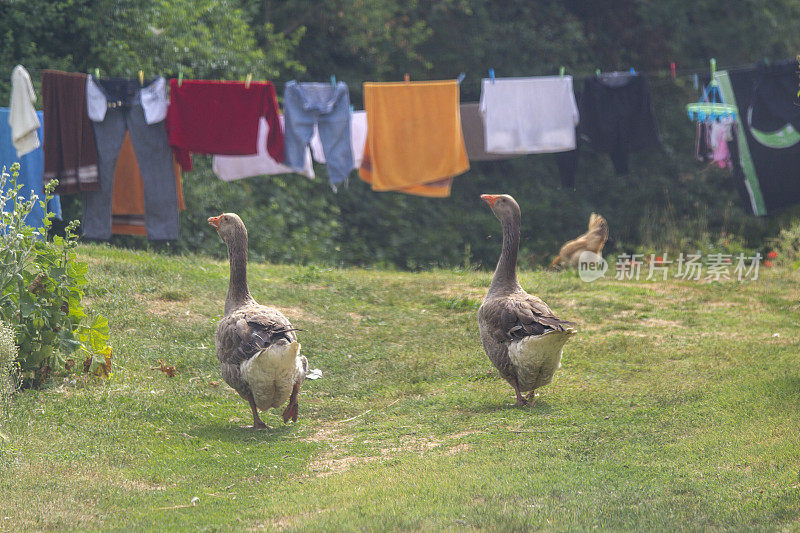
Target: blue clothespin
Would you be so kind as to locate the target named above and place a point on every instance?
(461, 78)
(491, 74)
(633, 71)
(333, 81)
(695, 81)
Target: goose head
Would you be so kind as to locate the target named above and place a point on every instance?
(503, 206)
(229, 227)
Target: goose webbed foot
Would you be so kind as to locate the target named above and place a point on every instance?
(293, 408)
(521, 401)
(532, 397)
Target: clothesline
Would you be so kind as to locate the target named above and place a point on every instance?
(659, 74)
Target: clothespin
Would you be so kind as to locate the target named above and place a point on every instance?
(597, 72)
(633, 71)
(406, 77)
(333, 81)
(461, 78)
(672, 69)
(96, 73)
(713, 63)
(695, 81)
(180, 77)
(247, 81)
(141, 78)
(561, 71)
(491, 74)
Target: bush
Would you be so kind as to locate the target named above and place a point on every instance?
(8, 374)
(41, 287)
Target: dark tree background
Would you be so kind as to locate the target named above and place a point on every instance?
(668, 201)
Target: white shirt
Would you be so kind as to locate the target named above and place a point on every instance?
(153, 98)
(529, 115)
(22, 115)
(358, 138)
(235, 167)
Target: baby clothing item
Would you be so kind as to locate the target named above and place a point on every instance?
(721, 133)
(127, 204)
(414, 139)
(31, 167)
(358, 136)
(617, 116)
(69, 147)
(23, 119)
(126, 114)
(236, 167)
(221, 118)
(327, 107)
(529, 115)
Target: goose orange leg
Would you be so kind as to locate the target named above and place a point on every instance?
(257, 422)
(520, 399)
(293, 408)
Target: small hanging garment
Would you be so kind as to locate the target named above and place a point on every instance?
(118, 107)
(768, 126)
(414, 139)
(326, 107)
(617, 116)
(70, 155)
(221, 118)
(23, 119)
(358, 137)
(30, 171)
(475, 134)
(529, 115)
(127, 205)
(236, 167)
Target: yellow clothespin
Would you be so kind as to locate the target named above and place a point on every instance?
(141, 77)
(247, 81)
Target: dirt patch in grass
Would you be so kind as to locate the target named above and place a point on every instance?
(300, 314)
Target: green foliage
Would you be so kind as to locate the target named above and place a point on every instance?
(787, 244)
(41, 288)
(8, 374)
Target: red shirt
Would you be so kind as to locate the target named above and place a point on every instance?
(221, 117)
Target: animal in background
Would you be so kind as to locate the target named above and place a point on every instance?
(593, 241)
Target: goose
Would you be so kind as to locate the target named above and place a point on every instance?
(257, 347)
(593, 240)
(521, 335)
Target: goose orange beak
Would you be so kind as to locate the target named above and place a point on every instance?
(214, 221)
(490, 198)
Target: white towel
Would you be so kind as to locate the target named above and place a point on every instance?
(22, 115)
(358, 138)
(235, 167)
(529, 115)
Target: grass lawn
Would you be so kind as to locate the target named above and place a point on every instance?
(677, 407)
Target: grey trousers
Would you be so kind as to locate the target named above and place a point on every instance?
(154, 157)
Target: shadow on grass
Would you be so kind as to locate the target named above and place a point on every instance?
(230, 433)
(505, 406)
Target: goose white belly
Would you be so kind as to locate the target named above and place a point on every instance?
(271, 374)
(536, 358)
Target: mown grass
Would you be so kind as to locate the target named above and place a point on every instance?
(677, 408)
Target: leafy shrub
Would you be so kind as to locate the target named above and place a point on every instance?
(41, 287)
(787, 244)
(8, 373)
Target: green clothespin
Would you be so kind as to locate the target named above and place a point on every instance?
(597, 72)
(561, 71)
(713, 64)
(180, 77)
(96, 73)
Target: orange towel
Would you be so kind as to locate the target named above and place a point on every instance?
(414, 139)
(127, 207)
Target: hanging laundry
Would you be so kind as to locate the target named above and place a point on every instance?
(721, 131)
(768, 123)
(221, 118)
(358, 137)
(414, 139)
(127, 205)
(529, 115)
(475, 135)
(702, 143)
(236, 167)
(70, 155)
(617, 116)
(30, 171)
(23, 120)
(126, 111)
(327, 107)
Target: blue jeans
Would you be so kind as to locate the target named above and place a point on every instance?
(307, 104)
